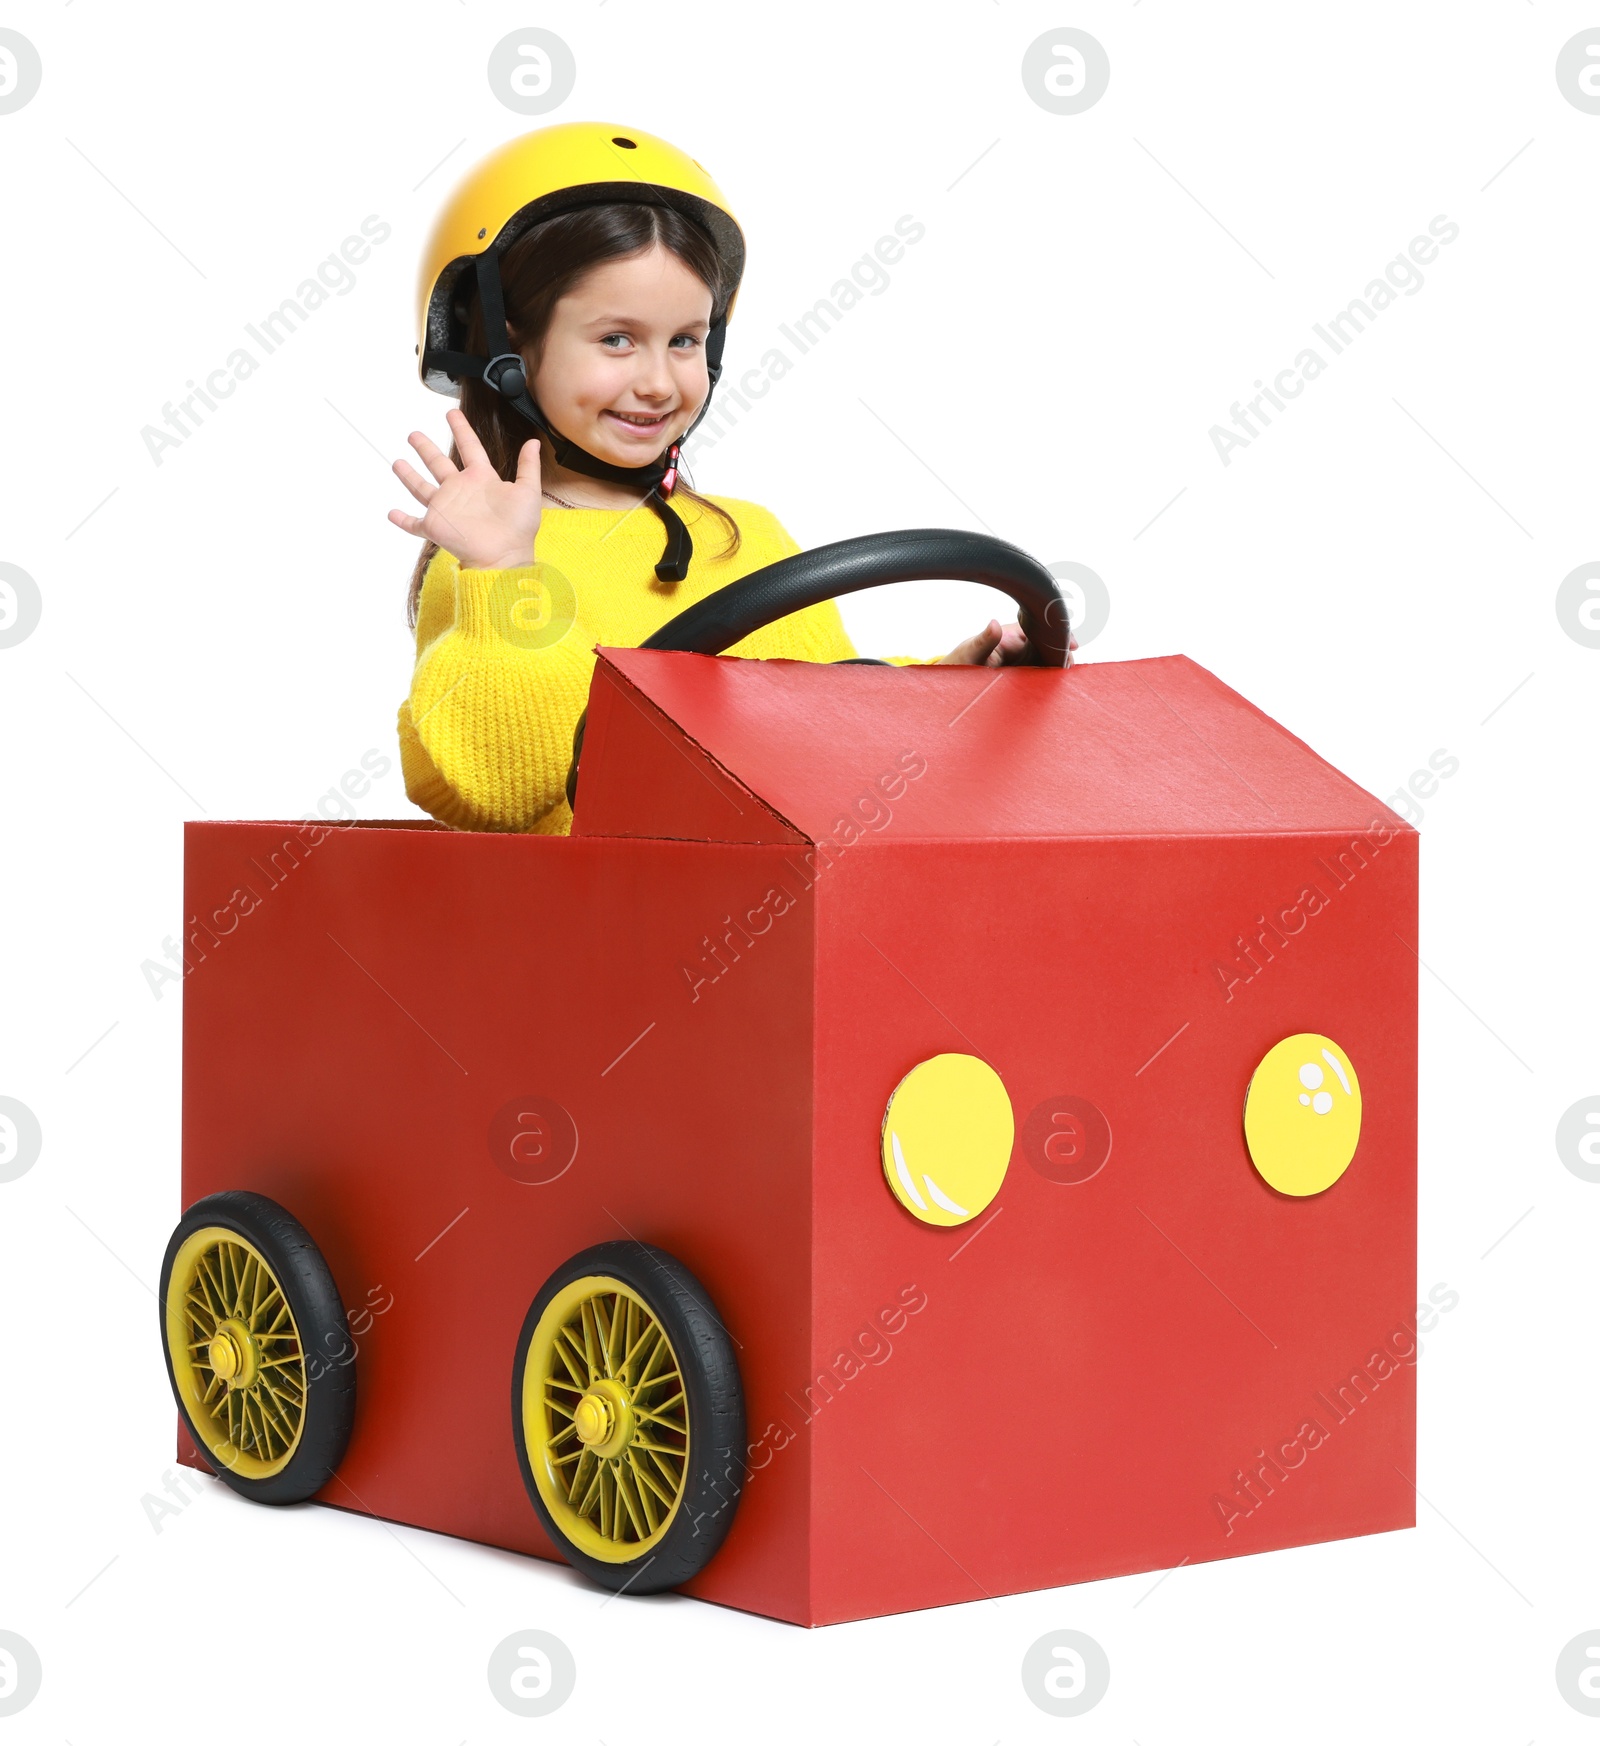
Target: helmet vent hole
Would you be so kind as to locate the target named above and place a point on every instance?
(629, 144)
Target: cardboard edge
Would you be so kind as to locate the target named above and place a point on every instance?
(653, 711)
(1390, 817)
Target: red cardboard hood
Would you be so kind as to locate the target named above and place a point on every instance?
(713, 747)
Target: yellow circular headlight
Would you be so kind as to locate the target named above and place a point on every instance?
(1302, 1114)
(947, 1137)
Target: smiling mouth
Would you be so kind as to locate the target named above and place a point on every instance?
(646, 423)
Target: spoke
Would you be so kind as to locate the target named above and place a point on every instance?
(625, 1492)
(250, 1424)
(263, 1430)
(279, 1431)
(651, 1331)
(286, 1410)
(586, 1321)
(602, 1334)
(657, 1448)
(593, 1489)
(645, 1376)
(579, 1376)
(629, 1319)
(272, 1295)
(672, 1480)
(571, 1455)
(650, 1377)
(649, 1486)
(615, 1345)
(257, 1411)
(206, 1275)
(654, 1416)
(649, 1503)
(618, 1519)
(560, 1382)
(271, 1429)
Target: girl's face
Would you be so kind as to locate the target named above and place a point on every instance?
(622, 370)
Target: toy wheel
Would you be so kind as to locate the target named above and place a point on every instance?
(628, 1417)
(258, 1348)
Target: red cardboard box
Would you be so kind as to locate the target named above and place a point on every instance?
(1120, 885)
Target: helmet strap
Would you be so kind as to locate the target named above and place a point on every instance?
(505, 371)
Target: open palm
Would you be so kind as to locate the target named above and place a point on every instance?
(487, 522)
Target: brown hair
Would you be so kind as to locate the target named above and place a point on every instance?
(539, 269)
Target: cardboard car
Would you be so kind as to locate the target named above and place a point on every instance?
(927, 1133)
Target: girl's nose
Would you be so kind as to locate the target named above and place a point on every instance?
(653, 380)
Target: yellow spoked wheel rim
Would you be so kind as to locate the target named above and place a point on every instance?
(236, 1353)
(605, 1419)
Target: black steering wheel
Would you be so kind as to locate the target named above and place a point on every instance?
(914, 555)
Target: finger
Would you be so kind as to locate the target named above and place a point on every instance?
(414, 481)
(472, 451)
(433, 457)
(528, 463)
(411, 523)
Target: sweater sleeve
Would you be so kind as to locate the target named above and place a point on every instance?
(499, 682)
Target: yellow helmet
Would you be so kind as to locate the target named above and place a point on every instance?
(529, 179)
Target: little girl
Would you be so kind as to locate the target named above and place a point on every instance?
(577, 288)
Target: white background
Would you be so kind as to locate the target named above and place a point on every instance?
(223, 636)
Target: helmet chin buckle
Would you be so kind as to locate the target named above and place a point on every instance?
(506, 373)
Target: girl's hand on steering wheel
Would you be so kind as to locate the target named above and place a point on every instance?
(486, 521)
(997, 645)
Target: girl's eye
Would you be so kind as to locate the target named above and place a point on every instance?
(682, 340)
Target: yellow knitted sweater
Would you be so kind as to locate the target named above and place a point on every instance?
(504, 657)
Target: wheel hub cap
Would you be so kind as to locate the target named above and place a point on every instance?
(232, 1354)
(603, 1418)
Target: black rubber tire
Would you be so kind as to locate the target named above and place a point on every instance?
(324, 1329)
(715, 1398)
